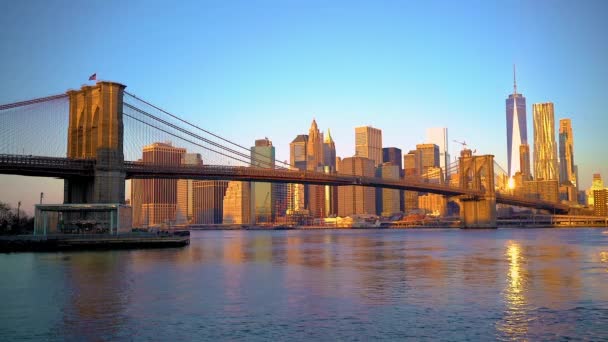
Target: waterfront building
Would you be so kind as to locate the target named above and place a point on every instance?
(237, 203)
(545, 149)
(600, 200)
(517, 131)
(433, 204)
(262, 195)
(357, 199)
(390, 203)
(439, 137)
(155, 200)
(368, 143)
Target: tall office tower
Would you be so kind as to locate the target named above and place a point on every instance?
(524, 161)
(314, 148)
(185, 192)
(410, 169)
(314, 162)
(567, 173)
(237, 203)
(391, 202)
(297, 152)
(329, 166)
(154, 201)
(297, 160)
(329, 152)
(357, 199)
(600, 202)
(428, 156)
(368, 143)
(439, 137)
(295, 199)
(545, 149)
(517, 131)
(410, 163)
(262, 195)
(392, 155)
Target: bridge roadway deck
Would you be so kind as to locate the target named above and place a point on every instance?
(59, 167)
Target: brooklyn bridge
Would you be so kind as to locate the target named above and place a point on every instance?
(105, 127)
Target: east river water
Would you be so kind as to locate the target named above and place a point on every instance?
(505, 284)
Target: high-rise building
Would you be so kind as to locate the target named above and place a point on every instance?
(314, 148)
(237, 203)
(392, 155)
(433, 203)
(199, 202)
(297, 152)
(545, 149)
(297, 195)
(329, 166)
(439, 137)
(357, 199)
(329, 152)
(154, 201)
(391, 203)
(368, 143)
(314, 162)
(410, 163)
(524, 161)
(428, 157)
(517, 131)
(410, 169)
(262, 196)
(567, 175)
(600, 199)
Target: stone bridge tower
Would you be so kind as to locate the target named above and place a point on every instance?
(95, 131)
(477, 173)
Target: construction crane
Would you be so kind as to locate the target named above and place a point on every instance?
(464, 144)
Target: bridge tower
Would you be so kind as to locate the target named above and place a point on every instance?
(477, 173)
(95, 131)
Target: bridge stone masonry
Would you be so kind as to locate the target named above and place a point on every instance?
(96, 132)
(94, 168)
(477, 173)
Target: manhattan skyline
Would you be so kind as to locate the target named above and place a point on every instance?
(399, 68)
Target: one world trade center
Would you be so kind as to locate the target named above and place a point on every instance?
(516, 128)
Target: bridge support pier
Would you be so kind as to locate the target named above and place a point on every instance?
(478, 213)
(477, 173)
(95, 131)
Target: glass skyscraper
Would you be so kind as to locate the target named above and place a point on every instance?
(517, 131)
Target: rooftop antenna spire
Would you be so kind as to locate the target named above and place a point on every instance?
(514, 81)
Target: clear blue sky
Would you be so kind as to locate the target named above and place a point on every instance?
(249, 69)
